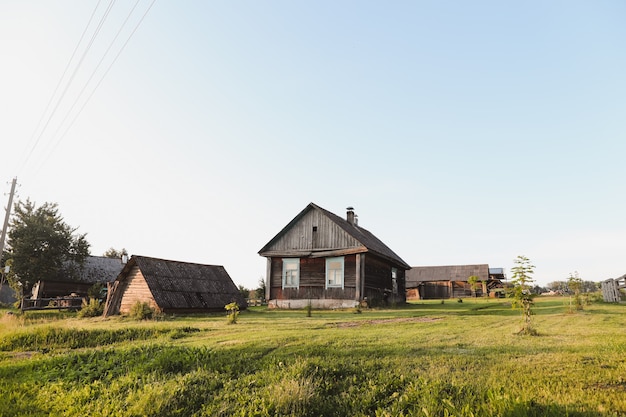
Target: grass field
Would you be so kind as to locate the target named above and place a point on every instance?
(425, 359)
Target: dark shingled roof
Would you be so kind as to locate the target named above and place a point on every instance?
(364, 236)
(100, 269)
(419, 274)
(186, 286)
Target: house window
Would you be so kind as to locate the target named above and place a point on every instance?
(394, 280)
(334, 272)
(291, 272)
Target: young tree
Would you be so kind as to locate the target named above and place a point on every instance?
(473, 282)
(40, 243)
(575, 285)
(521, 292)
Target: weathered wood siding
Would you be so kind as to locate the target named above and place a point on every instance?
(135, 290)
(314, 231)
(378, 279)
(313, 280)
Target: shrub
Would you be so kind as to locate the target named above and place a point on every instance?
(141, 311)
(93, 308)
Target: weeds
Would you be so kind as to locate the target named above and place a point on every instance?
(142, 311)
(93, 308)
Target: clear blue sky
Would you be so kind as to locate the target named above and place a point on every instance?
(461, 132)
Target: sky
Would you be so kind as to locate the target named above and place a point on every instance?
(461, 132)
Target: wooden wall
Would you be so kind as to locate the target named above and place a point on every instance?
(314, 231)
(313, 274)
(378, 279)
(135, 289)
(312, 280)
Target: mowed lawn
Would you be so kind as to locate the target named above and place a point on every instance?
(423, 359)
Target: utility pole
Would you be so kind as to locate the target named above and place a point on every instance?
(6, 218)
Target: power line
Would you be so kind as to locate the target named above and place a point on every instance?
(93, 73)
(82, 58)
(32, 137)
(99, 82)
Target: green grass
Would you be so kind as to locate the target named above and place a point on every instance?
(425, 359)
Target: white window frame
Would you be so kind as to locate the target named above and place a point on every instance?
(329, 271)
(394, 281)
(291, 262)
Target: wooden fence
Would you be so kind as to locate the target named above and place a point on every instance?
(611, 289)
(59, 303)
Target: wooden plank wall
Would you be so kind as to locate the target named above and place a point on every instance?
(314, 231)
(135, 290)
(312, 280)
(378, 278)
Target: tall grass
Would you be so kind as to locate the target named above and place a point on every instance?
(456, 359)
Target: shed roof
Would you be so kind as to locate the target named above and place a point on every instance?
(179, 285)
(100, 269)
(363, 236)
(94, 269)
(419, 274)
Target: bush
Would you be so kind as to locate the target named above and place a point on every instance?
(93, 308)
(142, 311)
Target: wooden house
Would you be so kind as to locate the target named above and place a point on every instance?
(172, 287)
(326, 261)
(438, 282)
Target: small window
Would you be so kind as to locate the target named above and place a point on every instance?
(315, 228)
(394, 280)
(291, 272)
(334, 272)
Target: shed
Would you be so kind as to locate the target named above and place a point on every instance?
(326, 261)
(451, 281)
(78, 279)
(172, 287)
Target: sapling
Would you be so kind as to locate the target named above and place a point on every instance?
(574, 284)
(521, 292)
(233, 312)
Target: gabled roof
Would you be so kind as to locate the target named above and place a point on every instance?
(186, 286)
(369, 242)
(419, 274)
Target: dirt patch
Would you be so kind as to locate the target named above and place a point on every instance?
(387, 321)
(22, 355)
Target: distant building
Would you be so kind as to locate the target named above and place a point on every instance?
(439, 282)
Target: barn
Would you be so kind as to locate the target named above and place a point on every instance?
(172, 287)
(452, 281)
(326, 261)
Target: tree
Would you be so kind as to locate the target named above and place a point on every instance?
(521, 292)
(42, 245)
(575, 285)
(558, 286)
(260, 291)
(473, 282)
(114, 253)
(245, 293)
